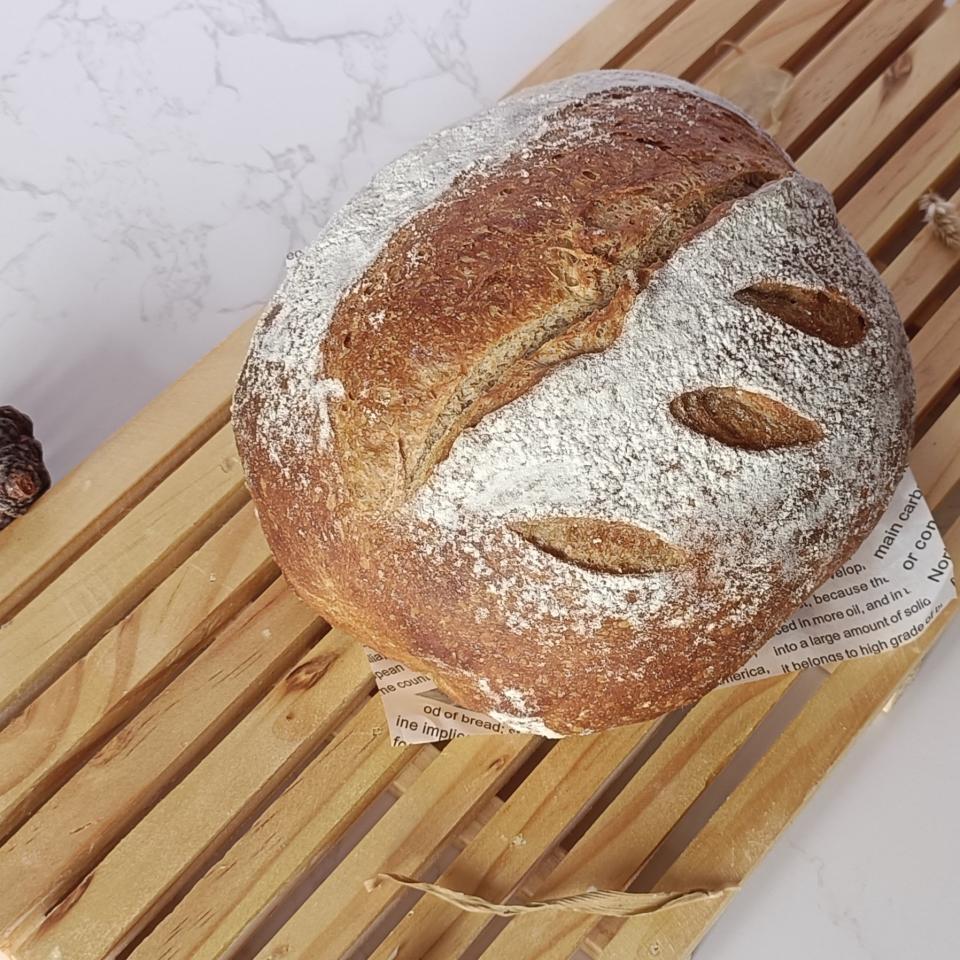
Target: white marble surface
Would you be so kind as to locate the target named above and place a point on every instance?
(158, 160)
(160, 157)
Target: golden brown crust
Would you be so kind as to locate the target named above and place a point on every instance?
(550, 234)
(513, 273)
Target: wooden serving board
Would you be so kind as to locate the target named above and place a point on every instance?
(192, 765)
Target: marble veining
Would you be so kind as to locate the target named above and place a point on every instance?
(161, 157)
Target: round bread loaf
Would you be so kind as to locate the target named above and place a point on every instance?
(576, 402)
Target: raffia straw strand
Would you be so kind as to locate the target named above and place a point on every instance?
(943, 217)
(599, 903)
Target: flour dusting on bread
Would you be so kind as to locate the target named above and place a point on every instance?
(285, 359)
(591, 311)
(597, 437)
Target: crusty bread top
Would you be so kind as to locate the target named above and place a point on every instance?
(292, 414)
(576, 445)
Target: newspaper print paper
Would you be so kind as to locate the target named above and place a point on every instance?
(883, 597)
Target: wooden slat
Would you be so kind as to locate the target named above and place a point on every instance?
(613, 850)
(118, 474)
(58, 845)
(511, 843)
(271, 742)
(883, 106)
(791, 28)
(62, 623)
(693, 35)
(136, 878)
(890, 196)
(754, 815)
(920, 268)
(934, 351)
(862, 45)
(602, 41)
(934, 461)
(279, 846)
(109, 684)
(403, 841)
(278, 734)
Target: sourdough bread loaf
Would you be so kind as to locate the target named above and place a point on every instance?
(576, 402)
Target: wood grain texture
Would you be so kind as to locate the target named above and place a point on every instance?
(603, 40)
(935, 461)
(55, 849)
(403, 841)
(890, 197)
(922, 267)
(927, 66)
(511, 843)
(63, 622)
(788, 30)
(692, 36)
(131, 884)
(765, 802)
(118, 474)
(934, 351)
(114, 679)
(858, 50)
(279, 847)
(615, 847)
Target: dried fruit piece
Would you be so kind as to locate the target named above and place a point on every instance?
(23, 477)
(742, 418)
(608, 546)
(14, 425)
(819, 313)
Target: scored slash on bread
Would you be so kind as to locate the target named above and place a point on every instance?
(576, 402)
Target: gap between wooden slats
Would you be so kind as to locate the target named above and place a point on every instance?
(404, 840)
(84, 505)
(892, 106)
(791, 35)
(691, 44)
(764, 803)
(561, 796)
(937, 94)
(43, 746)
(618, 841)
(935, 367)
(142, 762)
(889, 198)
(839, 73)
(923, 275)
(62, 623)
(607, 40)
(195, 928)
(179, 835)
